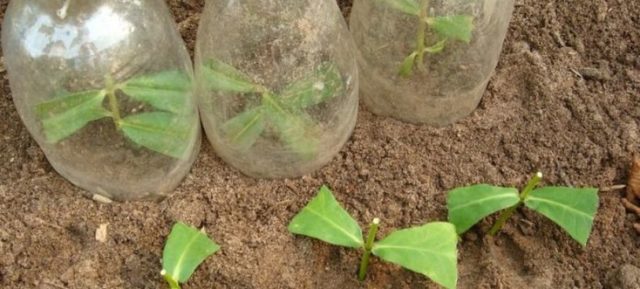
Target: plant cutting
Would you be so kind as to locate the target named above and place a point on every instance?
(112, 109)
(185, 249)
(447, 28)
(279, 99)
(429, 249)
(163, 129)
(427, 61)
(573, 209)
(282, 113)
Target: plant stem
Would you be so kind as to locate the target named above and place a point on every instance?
(504, 217)
(368, 246)
(173, 284)
(113, 100)
(422, 34)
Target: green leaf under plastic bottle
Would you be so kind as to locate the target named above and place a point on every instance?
(185, 250)
(572, 209)
(430, 250)
(324, 219)
(167, 90)
(244, 129)
(459, 27)
(162, 132)
(407, 65)
(410, 7)
(325, 83)
(65, 115)
(220, 76)
(295, 130)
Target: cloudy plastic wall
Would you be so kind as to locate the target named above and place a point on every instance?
(277, 83)
(460, 41)
(105, 88)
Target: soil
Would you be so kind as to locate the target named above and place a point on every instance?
(565, 100)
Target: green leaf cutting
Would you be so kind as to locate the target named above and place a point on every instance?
(430, 250)
(453, 27)
(167, 130)
(458, 27)
(167, 90)
(407, 65)
(185, 249)
(410, 7)
(572, 209)
(65, 115)
(467, 206)
(281, 113)
(162, 132)
(325, 83)
(220, 76)
(295, 130)
(245, 129)
(324, 219)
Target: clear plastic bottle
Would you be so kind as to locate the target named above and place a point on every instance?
(104, 87)
(277, 83)
(428, 61)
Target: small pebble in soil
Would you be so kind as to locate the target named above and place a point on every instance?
(102, 199)
(101, 233)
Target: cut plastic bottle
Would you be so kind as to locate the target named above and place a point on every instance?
(104, 87)
(277, 84)
(428, 61)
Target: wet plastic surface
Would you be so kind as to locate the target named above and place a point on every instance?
(105, 89)
(277, 84)
(460, 42)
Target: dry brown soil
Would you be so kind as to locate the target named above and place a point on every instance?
(565, 99)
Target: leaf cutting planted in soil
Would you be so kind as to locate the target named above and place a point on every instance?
(280, 112)
(454, 27)
(165, 130)
(572, 209)
(185, 249)
(429, 249)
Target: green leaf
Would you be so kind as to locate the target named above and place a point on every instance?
(295, 130)
(430, 250)
(162, 132)
(406, 6)
(65, 115)
(407, 65)
(467, 206)
(220, 76)
(436, 48)
(458, 27)
(572, 209)
(245, 129)
(185, 249)
(325, 83)
(167, 90)
(323, 218)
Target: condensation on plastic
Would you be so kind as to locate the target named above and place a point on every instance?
(454, 80)
(56, 47)
(277, 44)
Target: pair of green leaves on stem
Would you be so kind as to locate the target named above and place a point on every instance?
(282, 113)
(571, 208)
(430, 249)
(455, 27)
(165, 130)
